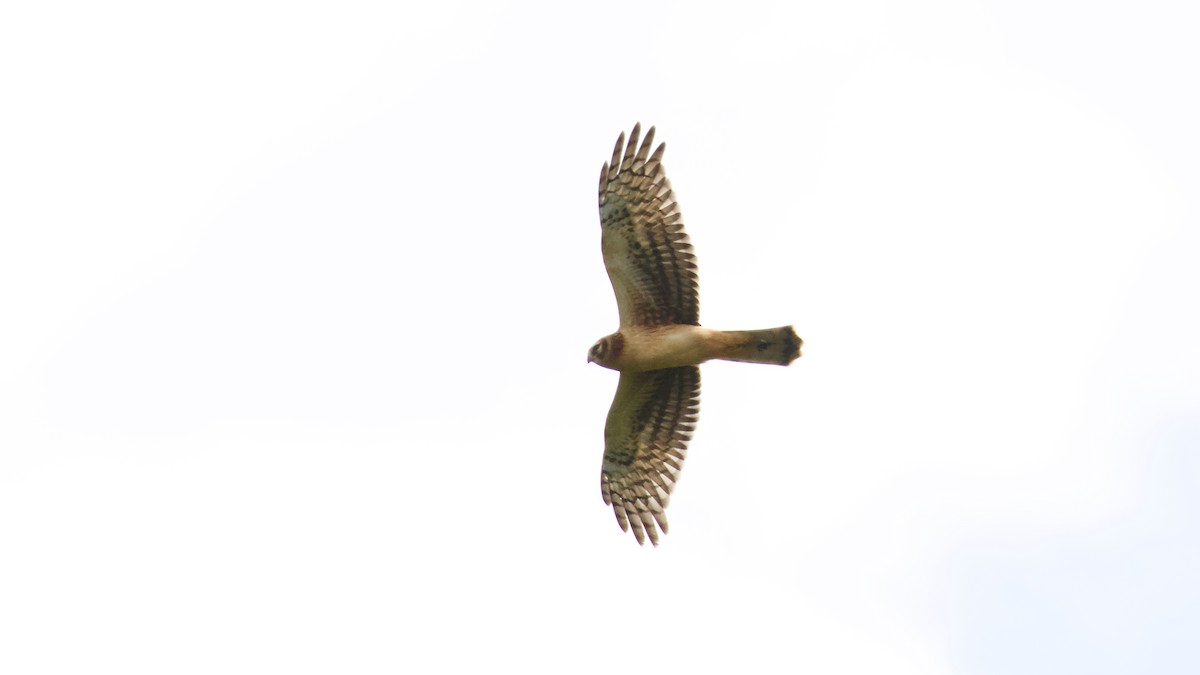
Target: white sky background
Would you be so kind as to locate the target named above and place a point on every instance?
(295, 302)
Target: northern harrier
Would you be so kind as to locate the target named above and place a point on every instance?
(660, 341)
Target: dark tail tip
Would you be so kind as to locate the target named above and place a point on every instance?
(791, 344)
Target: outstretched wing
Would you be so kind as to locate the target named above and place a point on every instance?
(645, 441)
(649, 259)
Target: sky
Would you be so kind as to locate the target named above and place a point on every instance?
(295, 300)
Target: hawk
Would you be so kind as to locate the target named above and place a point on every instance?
(660, 342)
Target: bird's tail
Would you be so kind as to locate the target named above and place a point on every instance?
(778, 346)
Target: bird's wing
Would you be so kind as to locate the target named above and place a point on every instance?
(649, 259)
(645, 441)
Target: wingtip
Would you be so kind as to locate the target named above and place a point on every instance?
(603, 181)
(634, 154)
(616, 154)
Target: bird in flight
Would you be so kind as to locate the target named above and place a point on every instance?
(660, 341)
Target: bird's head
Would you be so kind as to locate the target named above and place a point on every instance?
(606, 350)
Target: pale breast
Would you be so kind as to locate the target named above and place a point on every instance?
(656, 347)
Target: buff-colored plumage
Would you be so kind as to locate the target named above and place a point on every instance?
(660, 341)
(645, 441)
(647, 253)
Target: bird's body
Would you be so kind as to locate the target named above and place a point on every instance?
(660, 341)
(638, 348)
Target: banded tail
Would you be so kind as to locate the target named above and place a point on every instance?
(776, 346)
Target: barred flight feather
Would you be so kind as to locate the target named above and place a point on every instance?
(645, 437)
(649, 257)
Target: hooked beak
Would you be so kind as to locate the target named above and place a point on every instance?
(589, 357)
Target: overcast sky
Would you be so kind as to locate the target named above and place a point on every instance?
(296, 299)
